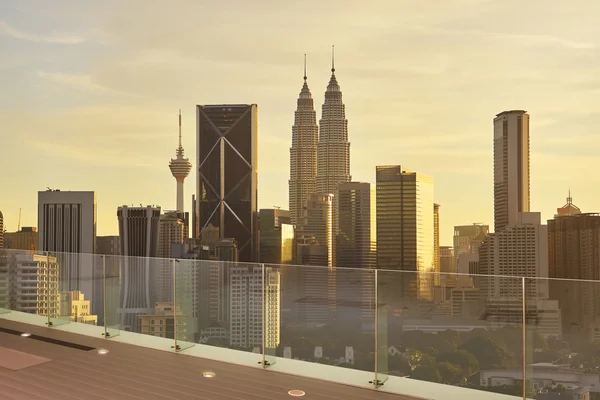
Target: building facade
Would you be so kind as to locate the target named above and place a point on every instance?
(164, 322)
(520, 250)
(25, 239)
(172, 230)
(227, 173)
(138, 233)
(574, 254)
(405, 229)
(356, 251)
(468, 238)
(1, 230)
(108, 245)
(248, 305)
(303, 153)
(30, 283)
(67, 229)
(74, 306)
(436, 243)
(276, 236)
(511, 167)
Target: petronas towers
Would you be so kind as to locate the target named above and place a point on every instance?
(320, 155)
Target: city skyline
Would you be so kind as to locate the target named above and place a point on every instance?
(129, 134)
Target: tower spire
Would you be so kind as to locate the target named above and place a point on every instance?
(304, 67)
(332, 58)
(180, 128)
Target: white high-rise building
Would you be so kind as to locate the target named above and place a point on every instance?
(180, 168)
(67, 224)
(247, 307)
(303, 153)
(511, 167)
(520, 250)
(333, 148)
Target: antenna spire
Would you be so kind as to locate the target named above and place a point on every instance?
(305, 67)
(180, 128)
(332, 58)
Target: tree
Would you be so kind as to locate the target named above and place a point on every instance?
(450, 373)
(428, 373)
(489, 353)
(462, 358)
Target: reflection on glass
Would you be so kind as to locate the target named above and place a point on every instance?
(271, 314)
(183, 304)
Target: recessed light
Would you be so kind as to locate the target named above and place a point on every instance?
(102, 351)
(25, 334)
(296, 393)
(208, 374)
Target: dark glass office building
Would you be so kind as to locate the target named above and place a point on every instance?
(227, 179)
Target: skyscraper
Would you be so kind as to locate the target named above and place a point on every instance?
(405, 237)
(138, 233)
(356, 235)
(511, 167)
(180, 168)
(171, 231)
(227, 181)
(436, 243)
(276, 236)
(67, 225)
(318, 221)
(573, 254)
(333, 148)
(303, 153)
(356, 250)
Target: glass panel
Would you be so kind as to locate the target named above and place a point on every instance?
(563, 326)
(183, 304)
(328, 319)
(461, 330)
(271, 314)
(56, 273)
(111, 292)
(381, 365)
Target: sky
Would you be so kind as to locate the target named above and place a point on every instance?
(90, 93)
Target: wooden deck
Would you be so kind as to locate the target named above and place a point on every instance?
(64, 368)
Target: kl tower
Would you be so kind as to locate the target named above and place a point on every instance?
(180, 168)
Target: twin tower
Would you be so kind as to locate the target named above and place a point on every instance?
(320, 154)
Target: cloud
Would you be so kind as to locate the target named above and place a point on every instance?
(80, 81)
(92, 156)
(31, 37)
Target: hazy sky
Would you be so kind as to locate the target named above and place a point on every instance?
(89, 93)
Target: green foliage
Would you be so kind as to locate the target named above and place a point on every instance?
(450, 373)
(490, 353)
(465, 360)
(427, 373)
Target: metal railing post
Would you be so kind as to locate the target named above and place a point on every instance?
(104, 294)
(524, 333)
(264, 311)
(176, 346)
(376, 382)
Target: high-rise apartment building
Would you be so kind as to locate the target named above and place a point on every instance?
(519, 250)
(67, 229)
(333, 148)
(180, 168)
(405, 237)
(447, 266)
(164, 322)
(511, 167)
(276, 236)
(248, 303)
(227, 179)
(30, 283)
(356, 249)
(303, 153)
(138, 233)
(574, 254)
